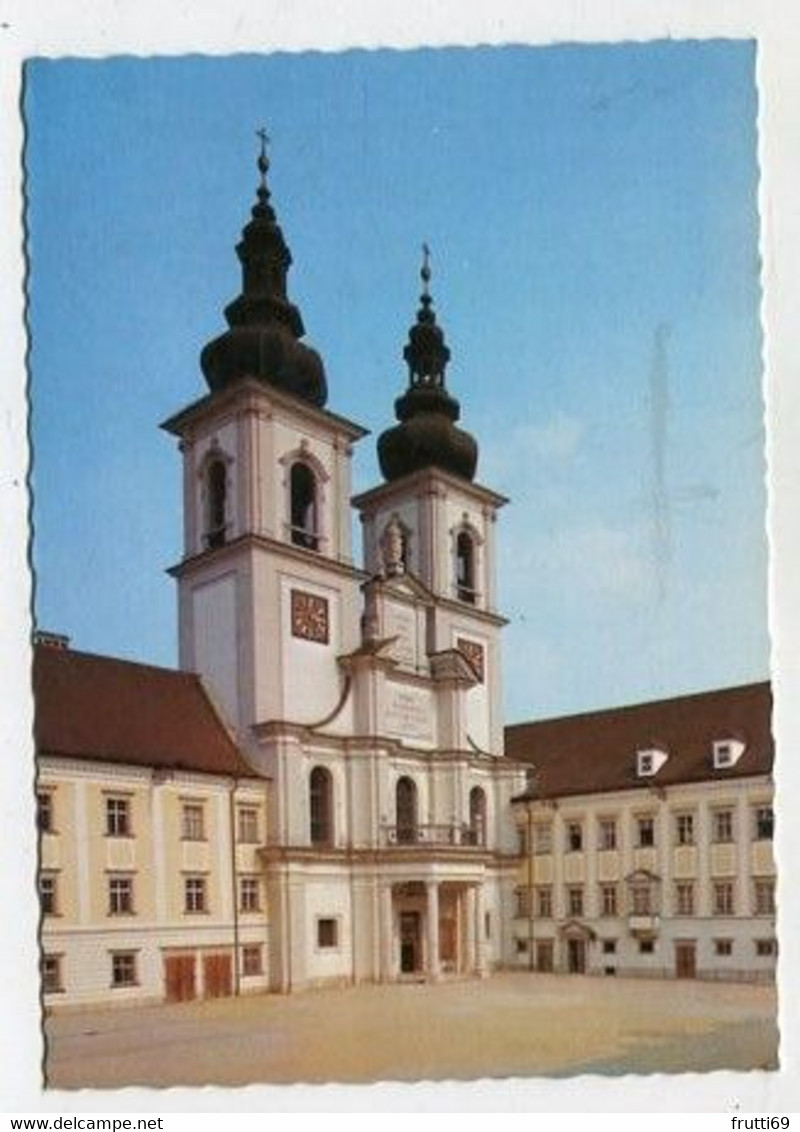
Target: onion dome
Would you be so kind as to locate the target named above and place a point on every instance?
(426, 435)
(264, 327)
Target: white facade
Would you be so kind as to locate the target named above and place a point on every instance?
(650, 882)
(118, 924)
(371, 698)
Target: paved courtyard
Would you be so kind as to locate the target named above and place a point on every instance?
(510, 1025)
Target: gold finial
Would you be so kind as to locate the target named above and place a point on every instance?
(425, 273)
(263, 160)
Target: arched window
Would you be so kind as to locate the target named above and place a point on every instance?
(320, 789)
(216, 502)
(465, 567)
(303, 503)
(406, 805)
(477, 816)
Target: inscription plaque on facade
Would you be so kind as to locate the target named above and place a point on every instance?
(310, 617)
(409, 713)
(474, 654)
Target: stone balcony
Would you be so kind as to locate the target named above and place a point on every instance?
(643, 926)
(444, 834)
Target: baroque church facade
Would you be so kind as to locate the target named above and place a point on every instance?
(322, 793)
(369, 696)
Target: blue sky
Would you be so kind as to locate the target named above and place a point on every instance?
(593, 218)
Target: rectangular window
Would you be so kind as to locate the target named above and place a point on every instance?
(645, 833)
(249, 894)
(52, 974)
(722, 828)
(487, 925)
(723, 898)
(248, 825)
(764, 823)
(723, 947)
(647, 946)
(118, 817)
(684, 899)
(609, 947)
(48, 894)
(608, 833)
(574, 837)
(522, 840)
(252, 960)
(544, 902)
(327, 932)
(44, 812)
(120, 896)
(543, 838)
(764, 897)
(575, 901)
(766, 947)
(194, 894)
(192, 823)
(521, 946)
(523, 902)
(608, 899)
(123, 969)
(641, 901)
(684, 829)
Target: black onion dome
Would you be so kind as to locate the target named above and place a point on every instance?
(264, 327)
(427, 435)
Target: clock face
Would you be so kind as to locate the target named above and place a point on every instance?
(309, 617)
(474, 654)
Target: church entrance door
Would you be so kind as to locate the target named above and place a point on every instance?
(409, 942)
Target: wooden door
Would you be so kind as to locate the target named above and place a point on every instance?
(576, 956)
(448, 951)
(179, 978)
(685, 959)
(409, 942)
(217, 975)
(544, 955)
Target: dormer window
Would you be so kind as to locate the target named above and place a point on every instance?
(649, 761)
(216, 503)
(465, 567)
(726, 753)
(303, 520)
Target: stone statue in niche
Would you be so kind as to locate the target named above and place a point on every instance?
(392, 545)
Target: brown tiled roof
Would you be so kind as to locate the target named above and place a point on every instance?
(596, 752)
(115, 711)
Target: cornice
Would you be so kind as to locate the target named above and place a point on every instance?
(251, 395)
(251, 541)
(408, 856)
(424, 481)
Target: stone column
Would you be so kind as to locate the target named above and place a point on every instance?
(470, 954)
(433, 930)
(480, 948)
(386, 933)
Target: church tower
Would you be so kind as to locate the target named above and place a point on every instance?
(446, 522)
(369, 698)
(268, 594)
